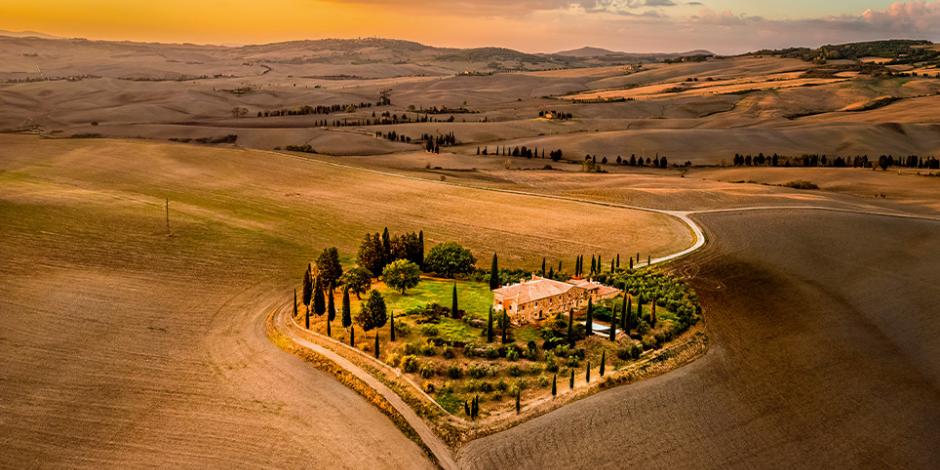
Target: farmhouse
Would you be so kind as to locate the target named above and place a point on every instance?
(537, 298)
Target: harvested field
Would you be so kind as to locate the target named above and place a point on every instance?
(824, 354)
(123, 346)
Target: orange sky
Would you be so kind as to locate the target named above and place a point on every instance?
(533, 25)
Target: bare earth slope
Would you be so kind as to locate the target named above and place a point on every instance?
(824, 355)
(123, 347)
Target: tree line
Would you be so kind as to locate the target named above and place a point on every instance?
(817, 160)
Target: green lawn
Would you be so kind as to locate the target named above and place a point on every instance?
(473, 297)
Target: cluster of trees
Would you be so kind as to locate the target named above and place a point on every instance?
(318, 109)
(555, 115)
(307, 148)
(393, 136)
(441, 110)
(816, 160)
(448, 259)
(655, 162)
(433, 144)
(522, 151)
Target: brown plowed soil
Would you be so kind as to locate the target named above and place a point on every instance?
(824, 354)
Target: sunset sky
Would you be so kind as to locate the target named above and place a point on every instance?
(724, 26)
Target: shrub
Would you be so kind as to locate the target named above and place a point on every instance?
(486, 387)
(543, 381)
(512, 354)
(550, 363)
(402, 329)
(429, 387)
(409, 363)
(478, 371)
(428, 349)
(394, 359)
(427, 370)
(429, 330)
(448, 353)
(502, 386)
(411, 348)
(454, 372)
(514, 371)
(801, 184)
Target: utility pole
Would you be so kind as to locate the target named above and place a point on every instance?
(167, 216)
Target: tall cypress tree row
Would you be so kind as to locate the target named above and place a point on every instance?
(489, 326)
(494, 273)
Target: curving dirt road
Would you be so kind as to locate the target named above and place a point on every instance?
(825, 354)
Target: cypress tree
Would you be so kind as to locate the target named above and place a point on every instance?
(319, 302)
(307, 319)
(386, 247)
(475, 407)
(600, 265)
(494, 273)
(593, 265)
(295, 303)
(377, 346)
(589, 323)
(571, 380)
(352, 336)
(555, 385)
(637, 257)
(543, 266)
(649, 260)
(639, 309)
(631, 264)
(453, 302)
(603, 361)
(330, 313)
(391, 326)
(421, 248)
(551, 273)
(571, 328)
(618, 260)
(347, 312)
(307, 287)
(587, 375)
(489, 326)
(559, 266)
(612, 265)
(466, 407)
(505, 326)
(625, 314)
(613, 325)
(518, 401)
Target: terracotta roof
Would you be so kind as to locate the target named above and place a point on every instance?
(594, 286)
(534, 289)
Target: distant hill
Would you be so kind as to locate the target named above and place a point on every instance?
(27, 34)
(899, 51)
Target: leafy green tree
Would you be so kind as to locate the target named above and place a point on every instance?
(449, 259)
(489, 326)
(371, 254)
(329, 267)
(407, 246)
(347, 311)
(402, 275)
(319, 302)
(494, 273)
(589, 322)
(358, 280)
(603, 361)
(373, 313)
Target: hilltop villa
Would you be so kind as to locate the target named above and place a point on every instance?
(539, 297)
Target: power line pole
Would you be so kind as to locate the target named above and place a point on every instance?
(167, 216)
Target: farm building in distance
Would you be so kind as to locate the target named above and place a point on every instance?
(538, 298)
